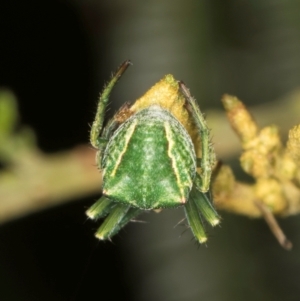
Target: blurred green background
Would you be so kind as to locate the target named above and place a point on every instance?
(56, 56)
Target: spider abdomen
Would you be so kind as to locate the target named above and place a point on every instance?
(150, 161)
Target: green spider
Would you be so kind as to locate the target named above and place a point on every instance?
(153, 154)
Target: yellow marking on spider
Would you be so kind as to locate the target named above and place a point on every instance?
(166, 93)
(128, 136)
(173, 159)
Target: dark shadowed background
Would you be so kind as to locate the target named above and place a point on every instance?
(56, 56)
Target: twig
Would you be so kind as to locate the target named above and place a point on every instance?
(274, 226)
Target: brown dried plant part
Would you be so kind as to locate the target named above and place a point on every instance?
(274, 168)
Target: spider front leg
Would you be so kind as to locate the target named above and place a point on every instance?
(96, 140)
(200, 202)
(97, 125)
(118, 216)
(208, 155)
(199, 206)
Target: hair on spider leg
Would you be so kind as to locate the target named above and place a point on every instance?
(186, 229)
(86, 219)
(180, 223)
(219, 164)
(139, 221)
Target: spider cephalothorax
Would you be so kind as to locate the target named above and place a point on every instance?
(153, 154)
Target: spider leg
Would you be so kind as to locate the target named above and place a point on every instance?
(204, 203)
(119, 216)
(97, 125)
(100, 209)
(208, 155)
(103, 140)
(199, 205)
(195, 222)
